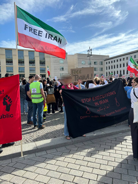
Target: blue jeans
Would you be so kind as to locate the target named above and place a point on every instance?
(66, 132)
(40, 107)
(24, 105)
(30, 111)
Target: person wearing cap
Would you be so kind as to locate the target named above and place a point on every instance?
(38, 98)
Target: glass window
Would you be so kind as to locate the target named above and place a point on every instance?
(117, 60)
(20, 57)
(126, 58)
(114, 66)
(109, 62)
(95, 62)
(61, 68)
(101, 69)
(106, 67)
(32, 69)
(117, 66)
(42, 59)
(111, 67)
(61, 61)
(0, 68)
(127, 71)
(95, 69)
(21, 75)
(106, 62)
(120, 65)
(31, 58)
(134, 56)
(123, 59)
(101, 63)
(8, 54)
(120, 72)
(42, 70)
(114, 72)
(21, 69)
(43, 76)
(120, 59)
(126, 64)
(114, 61)
(106, 73)
(123, 64)
(117, 72)
(9, 69)
(83, 62)
(123, 72)
(0, 75)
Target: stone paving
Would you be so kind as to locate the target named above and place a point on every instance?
(100, 161)
(54, 128)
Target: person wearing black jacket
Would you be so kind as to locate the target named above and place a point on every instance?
(57, 96)
(50, 97)
(60, 98)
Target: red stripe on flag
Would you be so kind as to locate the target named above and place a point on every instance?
(132, 70)
(40, 46)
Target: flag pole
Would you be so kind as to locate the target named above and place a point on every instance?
(21, 148)
(15, 14)
(15, 17)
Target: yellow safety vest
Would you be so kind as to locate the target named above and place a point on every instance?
(36, 93)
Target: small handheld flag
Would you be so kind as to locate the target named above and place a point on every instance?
(132, 66)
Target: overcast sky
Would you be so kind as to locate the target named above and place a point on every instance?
(109, 27)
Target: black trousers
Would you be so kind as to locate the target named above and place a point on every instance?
(60, 103)
(134, 134)
(53, 107)
(57, 104)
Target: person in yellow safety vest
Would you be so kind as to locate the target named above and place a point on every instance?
(38, 98)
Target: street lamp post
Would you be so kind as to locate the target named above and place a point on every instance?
(89, 55)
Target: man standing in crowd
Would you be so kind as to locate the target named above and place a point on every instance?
(36, 94)
(30, 104)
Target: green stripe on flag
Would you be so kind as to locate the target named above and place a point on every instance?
(133, 62)
(27, 17)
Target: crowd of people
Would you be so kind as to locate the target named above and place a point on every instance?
(38, 96)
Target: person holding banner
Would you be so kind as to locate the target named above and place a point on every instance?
(66, 80)
(134, 125)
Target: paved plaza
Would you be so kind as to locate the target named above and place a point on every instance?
(103, 160)
(54, 128)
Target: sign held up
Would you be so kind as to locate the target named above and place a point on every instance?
(82, 74)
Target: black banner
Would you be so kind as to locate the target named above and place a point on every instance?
(92, 109)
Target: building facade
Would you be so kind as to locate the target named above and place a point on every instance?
(118, 64)
(81, 60)
(28, 62)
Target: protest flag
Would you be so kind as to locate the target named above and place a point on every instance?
(10, 113)
(48, 72)
(35, 34)
(132, 66)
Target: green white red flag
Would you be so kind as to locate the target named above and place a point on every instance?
(48, 72)
(132, 66)
(35, 34)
